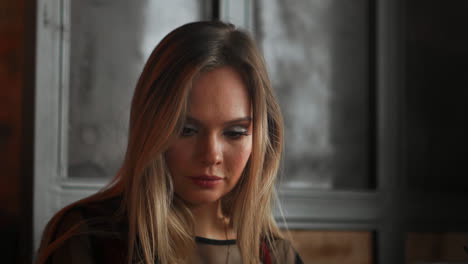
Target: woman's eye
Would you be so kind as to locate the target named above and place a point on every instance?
(236, 134)
(188, 131)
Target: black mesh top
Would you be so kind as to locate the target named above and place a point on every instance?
(226, 251)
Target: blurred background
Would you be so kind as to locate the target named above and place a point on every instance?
(373, 95)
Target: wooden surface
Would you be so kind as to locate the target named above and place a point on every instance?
(333, 247)
(436, 247)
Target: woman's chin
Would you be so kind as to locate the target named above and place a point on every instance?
(200, 199)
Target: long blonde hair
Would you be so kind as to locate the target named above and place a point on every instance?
(160, 225)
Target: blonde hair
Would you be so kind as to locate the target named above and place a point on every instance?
(160, 225)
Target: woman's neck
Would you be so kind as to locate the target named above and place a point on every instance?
(209, 222)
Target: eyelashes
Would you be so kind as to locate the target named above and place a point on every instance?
(187, 131)
(234, 133)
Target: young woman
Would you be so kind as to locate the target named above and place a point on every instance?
(197, 180)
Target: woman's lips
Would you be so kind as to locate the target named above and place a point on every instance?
(206, 181)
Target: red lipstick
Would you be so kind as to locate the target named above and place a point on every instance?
(206, 181)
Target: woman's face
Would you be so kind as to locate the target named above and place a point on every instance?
(208, 158)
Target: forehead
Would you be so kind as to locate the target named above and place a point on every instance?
(219, 95)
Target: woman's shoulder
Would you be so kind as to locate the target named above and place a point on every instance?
(89, 218)
(106, 208)
(93, 212)
(81, 228)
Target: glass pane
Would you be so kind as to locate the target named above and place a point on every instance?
(434, 247)
(330, 247)
(317, 53)
(110, 41)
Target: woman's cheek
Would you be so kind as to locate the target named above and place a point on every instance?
(241, 156)
(176, 155)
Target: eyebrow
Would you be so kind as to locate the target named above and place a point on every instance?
(230, 122)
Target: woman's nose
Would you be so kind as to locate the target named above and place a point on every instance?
(211, 150)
